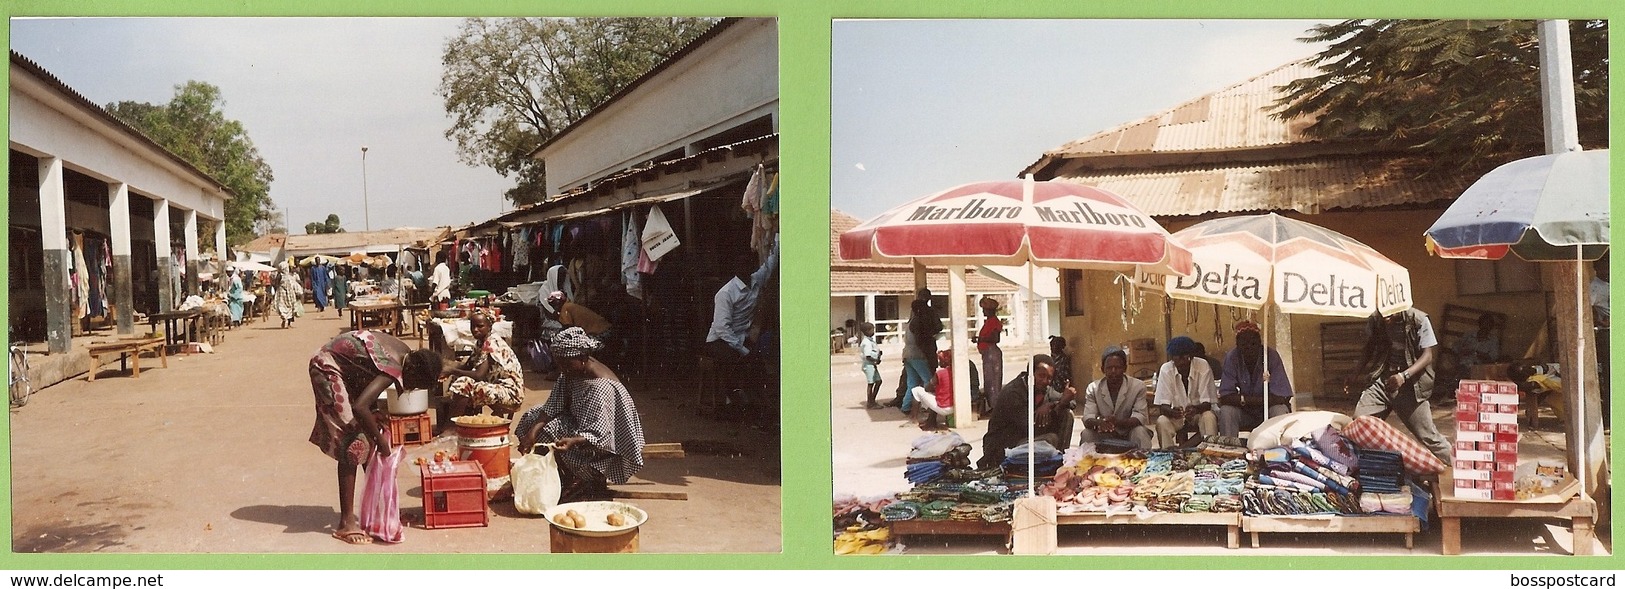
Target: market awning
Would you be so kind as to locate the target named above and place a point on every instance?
(660, 198)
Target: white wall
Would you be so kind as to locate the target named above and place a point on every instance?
(731, 79)
(41, 125)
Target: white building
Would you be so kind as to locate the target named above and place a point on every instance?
(103, 221)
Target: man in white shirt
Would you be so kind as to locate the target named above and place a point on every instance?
(440, 281)
(1185, 391)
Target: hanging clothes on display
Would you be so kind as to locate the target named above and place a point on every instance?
(755, 203)
(658, 237)
(631, 246)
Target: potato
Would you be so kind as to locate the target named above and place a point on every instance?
(579, 521)
(563, 519)
(616, 520)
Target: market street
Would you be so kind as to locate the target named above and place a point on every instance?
(210, 455)
(870, 446)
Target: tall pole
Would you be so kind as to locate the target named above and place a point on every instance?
(365, 210)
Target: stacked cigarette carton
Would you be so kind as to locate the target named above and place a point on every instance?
(1486, 440)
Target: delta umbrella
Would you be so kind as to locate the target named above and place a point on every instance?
(1014, 223)
(1253, 261)
(1547, 208)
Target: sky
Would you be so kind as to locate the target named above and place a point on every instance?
(921, 106)
(310, 92)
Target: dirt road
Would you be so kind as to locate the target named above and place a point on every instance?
(210, 455)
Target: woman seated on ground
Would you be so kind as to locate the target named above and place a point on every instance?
(491, 377)
(348, 375)
(589, 418)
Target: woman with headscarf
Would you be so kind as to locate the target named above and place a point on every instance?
(589, 419)
(289, 295)
(234, 295)
(341, 288)
(321, 277)
(348, 376)
(492, 376)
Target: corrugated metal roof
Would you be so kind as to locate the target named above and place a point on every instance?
(323, 242)
(1233, 118)
(265, 243)
(34, 69)
(1327, 183)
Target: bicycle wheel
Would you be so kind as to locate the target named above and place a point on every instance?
(21, 388)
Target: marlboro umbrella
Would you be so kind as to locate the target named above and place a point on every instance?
(1016, 222)
(1548, 208)
(1256, 260)
(1013, 222)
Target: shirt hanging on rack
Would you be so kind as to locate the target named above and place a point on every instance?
(631, 246)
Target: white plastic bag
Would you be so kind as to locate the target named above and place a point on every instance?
(380, 500)
(536, 483)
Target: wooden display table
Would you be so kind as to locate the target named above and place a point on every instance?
(386, 315)
(126, 350)
(919, 527)
(1300, 524)
(180, 327)
(1231, 521)
(1563, 504)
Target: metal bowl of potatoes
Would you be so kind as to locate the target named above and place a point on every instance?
(596, 517)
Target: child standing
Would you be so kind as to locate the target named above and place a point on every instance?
(870, 359)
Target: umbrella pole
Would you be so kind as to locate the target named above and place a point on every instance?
(1032, 373)
(1264, 357)
(1580, 369)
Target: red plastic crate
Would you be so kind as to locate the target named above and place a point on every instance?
(456, 498)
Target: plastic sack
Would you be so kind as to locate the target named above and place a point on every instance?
(380, 500)
(536, 484)
(540, 360)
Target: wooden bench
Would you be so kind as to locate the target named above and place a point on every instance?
(126, 350)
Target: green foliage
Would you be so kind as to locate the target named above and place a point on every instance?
(511, 84)
(193, 127)
(1464, 92)
(332, 225)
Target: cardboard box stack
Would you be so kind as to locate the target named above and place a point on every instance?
(1486, 440)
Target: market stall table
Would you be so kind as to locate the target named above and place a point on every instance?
(127, 349)
(385, 314)
(1232, 522)
(1301, 524)
(180, 327)
(1563, 504)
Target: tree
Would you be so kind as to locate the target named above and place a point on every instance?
(1466, 93)
(332, 225)
(193, 126)
(511, 84)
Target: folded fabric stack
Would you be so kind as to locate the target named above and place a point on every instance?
(900, 511)
(923, 472)
(937, 510)
(1000, 512)
(1381, 471)
(860, 541)
(1387, 503)
(965, 512)
(1042, 468)
(1199, 503)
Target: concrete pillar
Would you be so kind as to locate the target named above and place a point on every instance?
(118, 215)
(193, 264)
(220, 253)
(54, 269)
(964, 416)
(166, 263)
(868, 308)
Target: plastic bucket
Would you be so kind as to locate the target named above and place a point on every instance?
(487, 445)
(410, 402)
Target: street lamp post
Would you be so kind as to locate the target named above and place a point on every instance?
(365, 210)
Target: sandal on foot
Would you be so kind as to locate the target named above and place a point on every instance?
(353, 537)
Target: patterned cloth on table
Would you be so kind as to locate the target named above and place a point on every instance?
(600, 410)
(1381, 471)
(339, 372)
(503, 388)
(1369, 432)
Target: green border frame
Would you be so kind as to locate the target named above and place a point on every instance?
(804, 34)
